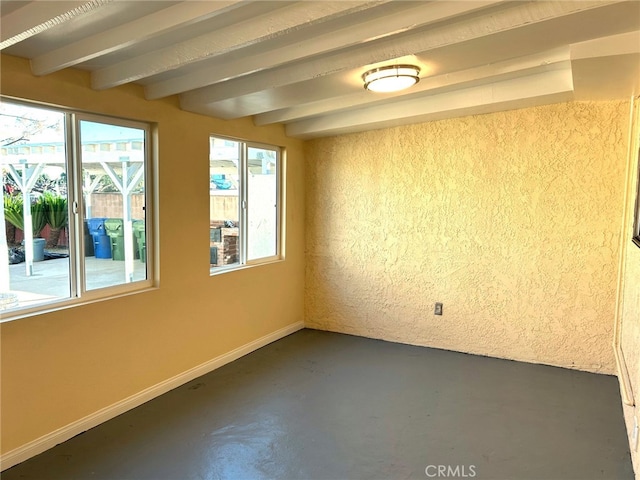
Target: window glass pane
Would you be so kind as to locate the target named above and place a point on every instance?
(113, 199)
(262, 195)
(224, 202)
(34, 240)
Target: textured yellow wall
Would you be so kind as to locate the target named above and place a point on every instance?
(512, 220)
(59, 367)
(630, 292)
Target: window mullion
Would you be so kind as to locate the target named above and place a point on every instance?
(74, 196)
(244, 170)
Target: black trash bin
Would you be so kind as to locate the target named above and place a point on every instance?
(88, 240)
(139, 234)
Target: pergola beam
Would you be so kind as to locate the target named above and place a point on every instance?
(25, 183)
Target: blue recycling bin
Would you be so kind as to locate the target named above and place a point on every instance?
(102, 246)
(96, 226)
(101, 241)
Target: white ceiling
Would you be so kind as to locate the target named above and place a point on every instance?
(300, 63)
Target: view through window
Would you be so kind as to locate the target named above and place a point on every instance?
(54, 246)
(244, 199)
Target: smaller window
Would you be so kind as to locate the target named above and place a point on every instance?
(244, 200)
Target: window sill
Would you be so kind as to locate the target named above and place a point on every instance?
(233, 268)
(89, 298)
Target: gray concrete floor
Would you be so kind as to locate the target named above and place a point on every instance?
(320, 405)
(50, 279)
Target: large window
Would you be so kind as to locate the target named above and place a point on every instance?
(75, 222)
(244, 199)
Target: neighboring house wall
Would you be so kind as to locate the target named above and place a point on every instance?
(511, 219)
(224, 207)
(109, 205)
(61, 366)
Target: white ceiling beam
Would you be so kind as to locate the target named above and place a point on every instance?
(123, 36)
(417, 14)
(435, 84)
(361, 99)
(615, 77)
(517, 15)
(555, 83)
(622, 44)
(37, 17)
(264, 27)
(463, 111)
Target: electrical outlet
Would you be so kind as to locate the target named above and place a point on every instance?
(438, 309)
(634, 434)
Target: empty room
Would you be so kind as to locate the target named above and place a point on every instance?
(422, 221)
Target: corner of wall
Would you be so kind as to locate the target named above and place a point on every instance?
(626, 341)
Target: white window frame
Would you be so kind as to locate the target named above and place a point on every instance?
(78, 294)
(243, 205)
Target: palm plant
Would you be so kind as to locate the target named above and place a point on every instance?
(38, 216)
(57, 216)
(14, 213)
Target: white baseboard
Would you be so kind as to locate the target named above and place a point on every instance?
(63, 434)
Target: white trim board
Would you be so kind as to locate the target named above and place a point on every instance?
(50, 440)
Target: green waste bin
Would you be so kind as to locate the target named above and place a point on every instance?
(139, 234)
(136, 225)
(115, 230)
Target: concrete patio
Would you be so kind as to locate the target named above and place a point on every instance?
(50, 279)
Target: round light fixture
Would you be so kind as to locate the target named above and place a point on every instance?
(391, 78)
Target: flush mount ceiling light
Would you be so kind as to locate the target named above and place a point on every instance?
(391, 78)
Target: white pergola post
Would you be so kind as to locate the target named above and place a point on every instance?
(87, 188)
(127, 225)
(25, 183)
(28, 232)
(131, 175)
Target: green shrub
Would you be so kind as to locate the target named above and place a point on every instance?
(38, 216)
(57, 216)
(14, 213)
(13, 210)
